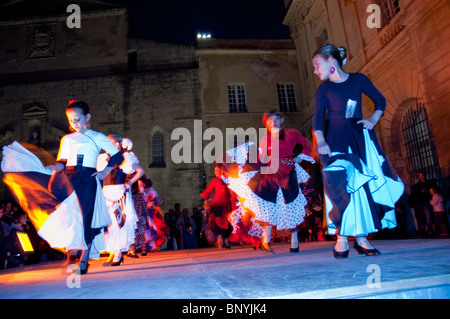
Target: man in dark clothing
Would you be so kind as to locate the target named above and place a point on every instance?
(420, 201)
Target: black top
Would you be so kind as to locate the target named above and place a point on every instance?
(332, 99)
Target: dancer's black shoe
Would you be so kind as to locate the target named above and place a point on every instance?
(117, 263)
(83, 270)
(364, 251)
(266, 247)
(340, 254)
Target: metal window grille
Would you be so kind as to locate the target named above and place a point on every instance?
(389, 9)
(286, 97)
(158, 148)
(421, 151)
(237, 98)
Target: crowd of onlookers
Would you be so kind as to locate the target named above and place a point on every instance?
(14, 220)
(421, 214)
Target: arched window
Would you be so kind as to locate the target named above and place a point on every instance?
(158, 149)
(420, 148)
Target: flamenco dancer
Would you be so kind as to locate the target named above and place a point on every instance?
(360, 185)
(142, 194)
(273, 193)
(219, 206)
(245, 228)
(155, 232)
(78, 154)
(67, 216)
(117, 190)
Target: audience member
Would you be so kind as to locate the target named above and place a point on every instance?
(185, 219)
(177, 210)
(420, 201)
(6, 211)
(5, 230)
(179, 236)
(189, 238)
(170, 220)
(439, 213)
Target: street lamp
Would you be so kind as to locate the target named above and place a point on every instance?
(203, 35)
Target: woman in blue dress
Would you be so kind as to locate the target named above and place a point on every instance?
(360, 185)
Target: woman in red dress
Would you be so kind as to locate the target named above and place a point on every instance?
(273, 193)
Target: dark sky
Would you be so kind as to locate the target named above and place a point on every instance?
(180, 20)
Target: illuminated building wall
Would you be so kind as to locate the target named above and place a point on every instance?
(407, 58)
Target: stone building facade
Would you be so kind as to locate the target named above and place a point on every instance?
(407, 56)
(261, 73)
(138, 88)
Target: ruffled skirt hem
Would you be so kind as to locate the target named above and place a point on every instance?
(285, 216)
(366, 187)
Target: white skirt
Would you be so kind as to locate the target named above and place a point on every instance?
(57, 219)
(120, 237)
(283, 216)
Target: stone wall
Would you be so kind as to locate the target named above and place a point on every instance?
(407, 60)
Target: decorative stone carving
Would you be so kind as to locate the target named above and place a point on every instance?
(41, 41)
(389, 32)
(262, 69)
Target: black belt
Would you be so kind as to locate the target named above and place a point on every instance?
(81, 168)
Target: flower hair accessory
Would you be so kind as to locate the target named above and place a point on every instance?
(127, 144)
(74, 101)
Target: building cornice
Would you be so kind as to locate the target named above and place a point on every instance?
(297, 12)
(63, 18)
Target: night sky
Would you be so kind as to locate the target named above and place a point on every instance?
(180, 20)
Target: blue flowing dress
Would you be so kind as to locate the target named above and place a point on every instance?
(360, 185)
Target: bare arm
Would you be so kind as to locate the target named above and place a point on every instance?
(372, 122)
(139, 173)
(323, 147)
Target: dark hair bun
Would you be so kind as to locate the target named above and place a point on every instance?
(343, 53)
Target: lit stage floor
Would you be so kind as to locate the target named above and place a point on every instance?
(416, 268)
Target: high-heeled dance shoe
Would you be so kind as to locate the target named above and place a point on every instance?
(117, 263)
(134, 255)
(340, 254)
(72, 259)
(109, 260)
(83, 269)
(368, 252)
(266, 247)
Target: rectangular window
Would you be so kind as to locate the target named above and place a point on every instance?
(286, 97)
(132, 62)
(237, 98)
(389, 9)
